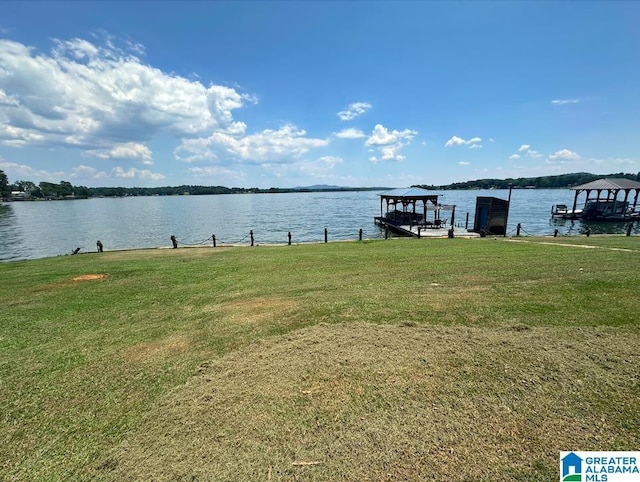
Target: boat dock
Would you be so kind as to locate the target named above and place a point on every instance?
(416, 212)
(424, 231)
(605, 205)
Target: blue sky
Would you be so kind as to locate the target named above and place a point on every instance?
(281, 94)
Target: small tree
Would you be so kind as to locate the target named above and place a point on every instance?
(5, 192)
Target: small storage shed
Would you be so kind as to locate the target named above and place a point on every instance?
(491, 215)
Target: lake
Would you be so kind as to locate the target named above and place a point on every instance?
(49, 228)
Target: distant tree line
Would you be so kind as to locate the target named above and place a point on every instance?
(543, 182)
(65, 190)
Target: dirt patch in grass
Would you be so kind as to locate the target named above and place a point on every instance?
(257, 310)
(164, 347)
(90, 277)
(378, 402)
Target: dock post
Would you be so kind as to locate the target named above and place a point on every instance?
(555, 233)
(386, 233)
(289, 235)
(360, 235)
(466, 224)
(326, 233)
(419, 228)
(213, 236)
(518, 229)
(588, 232)
(629, 229)
(251, 235)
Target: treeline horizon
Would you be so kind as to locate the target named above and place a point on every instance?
(65, 190)
(540, 182)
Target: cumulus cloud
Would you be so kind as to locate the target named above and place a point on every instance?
(354, 110)
(564, 101)
(130, 150)
(217, 172)
(350, 134)
(526, 151)
(321, 169)
(98, 97)
(464, 163)
(459, 141)
(283, 145)
(564, 155)
(22, 171)
(389, 143)
(133, 173)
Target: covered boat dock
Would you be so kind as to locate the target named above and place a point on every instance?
(607, 205)
(414, 212)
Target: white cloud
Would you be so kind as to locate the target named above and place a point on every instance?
(464, 163)
(83, 172)
(526, 151)
(354, 110)
(350, 134)
(564, 155)
(96, 97)
(389, 144)
(283, 145)
(15, 171)
(213, 172)
(133, 173)
(455, 141)
(564, 101)
(459, 141)
(130, 150)
(475, 146)
(319, 170)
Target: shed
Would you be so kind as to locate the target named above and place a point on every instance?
(491, 215)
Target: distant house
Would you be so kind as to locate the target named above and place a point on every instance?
(19, 196)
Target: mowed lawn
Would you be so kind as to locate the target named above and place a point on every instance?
(400, 359)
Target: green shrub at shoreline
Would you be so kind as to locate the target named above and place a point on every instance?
(402, 359)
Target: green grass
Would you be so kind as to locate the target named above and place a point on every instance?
(381, 360)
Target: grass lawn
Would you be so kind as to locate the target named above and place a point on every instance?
(400, 359)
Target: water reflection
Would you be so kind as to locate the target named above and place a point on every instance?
(572, 227)
(10, 233)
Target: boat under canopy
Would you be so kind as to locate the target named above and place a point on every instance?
(410, 211)
(604, 201)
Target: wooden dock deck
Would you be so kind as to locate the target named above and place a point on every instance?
(423, 231)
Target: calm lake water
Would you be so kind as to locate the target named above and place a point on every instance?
(50, 228)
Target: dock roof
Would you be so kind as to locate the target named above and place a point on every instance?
(409, 193)
(612, 184)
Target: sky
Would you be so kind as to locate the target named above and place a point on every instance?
(285, 94)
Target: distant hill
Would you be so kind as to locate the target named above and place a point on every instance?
(542, 182)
